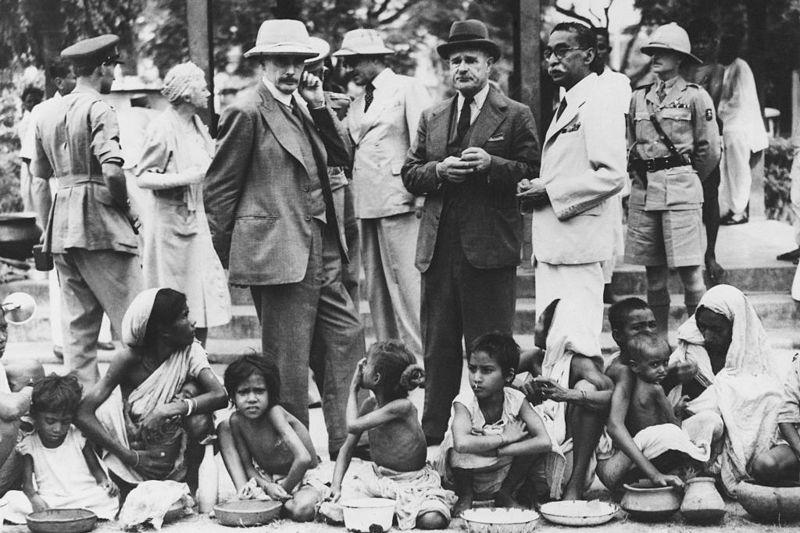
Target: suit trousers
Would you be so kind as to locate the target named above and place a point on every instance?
(388, 246)
(93, 282)
(317, 310)
(459, 302)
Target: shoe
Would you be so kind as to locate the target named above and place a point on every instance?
(58, 351)
(789, 256)
(733, 220)
(108, 346)
(725, 219)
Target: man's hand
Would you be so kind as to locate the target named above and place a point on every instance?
(110, 487)
(478, 158)
(335, 494)
(311, 90)
(533, 191)
(685, 371)
(664, 480)
(38, 503)
(453, 169)
(156, 417)
(551, 390)
(531, 390)
(273, 490)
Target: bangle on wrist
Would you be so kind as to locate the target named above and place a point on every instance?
(189, 406)
(584, 399)
(136, 454)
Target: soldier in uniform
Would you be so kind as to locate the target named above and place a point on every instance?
(90, 230)
(673, 129)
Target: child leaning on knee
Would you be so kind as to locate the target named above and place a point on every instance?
(61, 468)
(267, 451)
(494, 434)
(396, 441)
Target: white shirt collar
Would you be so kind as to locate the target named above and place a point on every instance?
(478, 100)
(581, 90)
(285, 99)
(384, 77)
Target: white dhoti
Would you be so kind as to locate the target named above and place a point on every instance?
(581, 283)
(736, 174)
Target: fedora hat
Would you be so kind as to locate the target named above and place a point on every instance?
(362, 43)
(468, 34)
(673, 38)
(282, 37)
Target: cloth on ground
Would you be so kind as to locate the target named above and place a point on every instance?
(659, 439)
(746, 392)
(151, 500)
(62, 479)
(123, 419)
(415, 493)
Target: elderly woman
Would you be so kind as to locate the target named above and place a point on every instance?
(151, 409)
(735, 377)
(177, 243)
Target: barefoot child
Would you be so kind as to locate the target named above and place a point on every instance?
(396, 441)
(642, 424)
(491, 427)
(266, 450)
(60, 468)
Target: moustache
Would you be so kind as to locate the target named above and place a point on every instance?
(289, 79)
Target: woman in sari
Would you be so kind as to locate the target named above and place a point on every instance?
(153, 406)
(177, 242)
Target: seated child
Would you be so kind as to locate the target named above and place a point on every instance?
(492, 427)
(781, 464)
(642, 424)
(61, 469)
(266, 450)
(396, 441)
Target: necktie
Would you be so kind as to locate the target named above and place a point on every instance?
(661, 92)
(296, 111)
(369, 95)
(464, 119)
(562, 105)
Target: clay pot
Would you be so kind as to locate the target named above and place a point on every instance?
(702, 504)
(647, 503)
(772, 504)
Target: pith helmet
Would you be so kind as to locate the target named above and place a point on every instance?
(363, 43)
(670, 37)
(282, 37)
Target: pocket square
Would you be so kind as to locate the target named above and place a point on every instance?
(500, 137)
(572, 127)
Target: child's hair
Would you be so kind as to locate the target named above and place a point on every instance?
(54, 393)
(397, 366)
(645, 342)
(499, 346)
(247, 365)
(619, 311)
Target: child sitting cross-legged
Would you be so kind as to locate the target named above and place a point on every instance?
(267, 451)
(60, 468)
(396, 442)
(646, 433)
(494, 434)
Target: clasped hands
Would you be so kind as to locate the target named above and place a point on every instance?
(533, 191)
(457, 169)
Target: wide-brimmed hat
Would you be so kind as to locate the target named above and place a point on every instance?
(282, 37)
(323, 50)
(468, 34)
(363, 43)
(673, 38)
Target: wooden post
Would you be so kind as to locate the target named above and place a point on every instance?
(201, 50)
(525, 83)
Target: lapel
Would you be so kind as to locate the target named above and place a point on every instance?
(440, 125)
(283, 130)
(574, 103)
(382, 97)
(492, 114)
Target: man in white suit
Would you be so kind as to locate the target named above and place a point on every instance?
(583, 168)
(382, 123)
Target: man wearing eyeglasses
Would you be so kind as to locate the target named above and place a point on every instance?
(90, 231)
(469, 154)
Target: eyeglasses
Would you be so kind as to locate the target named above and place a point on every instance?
(560, 52)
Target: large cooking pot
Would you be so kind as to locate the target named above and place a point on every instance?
(18, 234)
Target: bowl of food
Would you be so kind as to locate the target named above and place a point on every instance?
(579, 512)
(647, 502)
(367, 515)
(62, 521)
(500, 520)
(246, 513)
(770, 504)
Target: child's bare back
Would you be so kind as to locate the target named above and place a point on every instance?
(398, 444)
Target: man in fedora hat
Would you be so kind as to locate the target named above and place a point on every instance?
(90, 229)
(382, 123)
(273, 221)
(469, 154)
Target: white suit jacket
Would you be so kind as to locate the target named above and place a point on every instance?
(583, 165)
(381, 138)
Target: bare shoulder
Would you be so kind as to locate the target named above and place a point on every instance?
(368, 406)
(618, 370)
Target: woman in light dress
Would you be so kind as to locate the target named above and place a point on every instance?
(177, 242)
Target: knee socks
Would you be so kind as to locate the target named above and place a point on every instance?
(658, 300)
(691, 297)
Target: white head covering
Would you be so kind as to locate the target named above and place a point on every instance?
(181, 79)
(134, 323)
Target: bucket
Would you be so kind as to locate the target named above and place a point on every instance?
(363, 513)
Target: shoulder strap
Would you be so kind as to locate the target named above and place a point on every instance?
(664, 137)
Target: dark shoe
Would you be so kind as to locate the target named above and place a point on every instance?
(58, 351)
(789, 256)
(107, 346)
(725, 220)
(733, 221)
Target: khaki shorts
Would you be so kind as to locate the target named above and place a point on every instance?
(657, 238)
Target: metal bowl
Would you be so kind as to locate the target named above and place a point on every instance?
(578, 513)
(500, 520)
(62, 521)
(246, 513)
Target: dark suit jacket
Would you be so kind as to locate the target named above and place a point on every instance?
(485, 203)
(256, 189)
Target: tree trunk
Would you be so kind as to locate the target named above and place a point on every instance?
(48, 31)
(288, 9)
